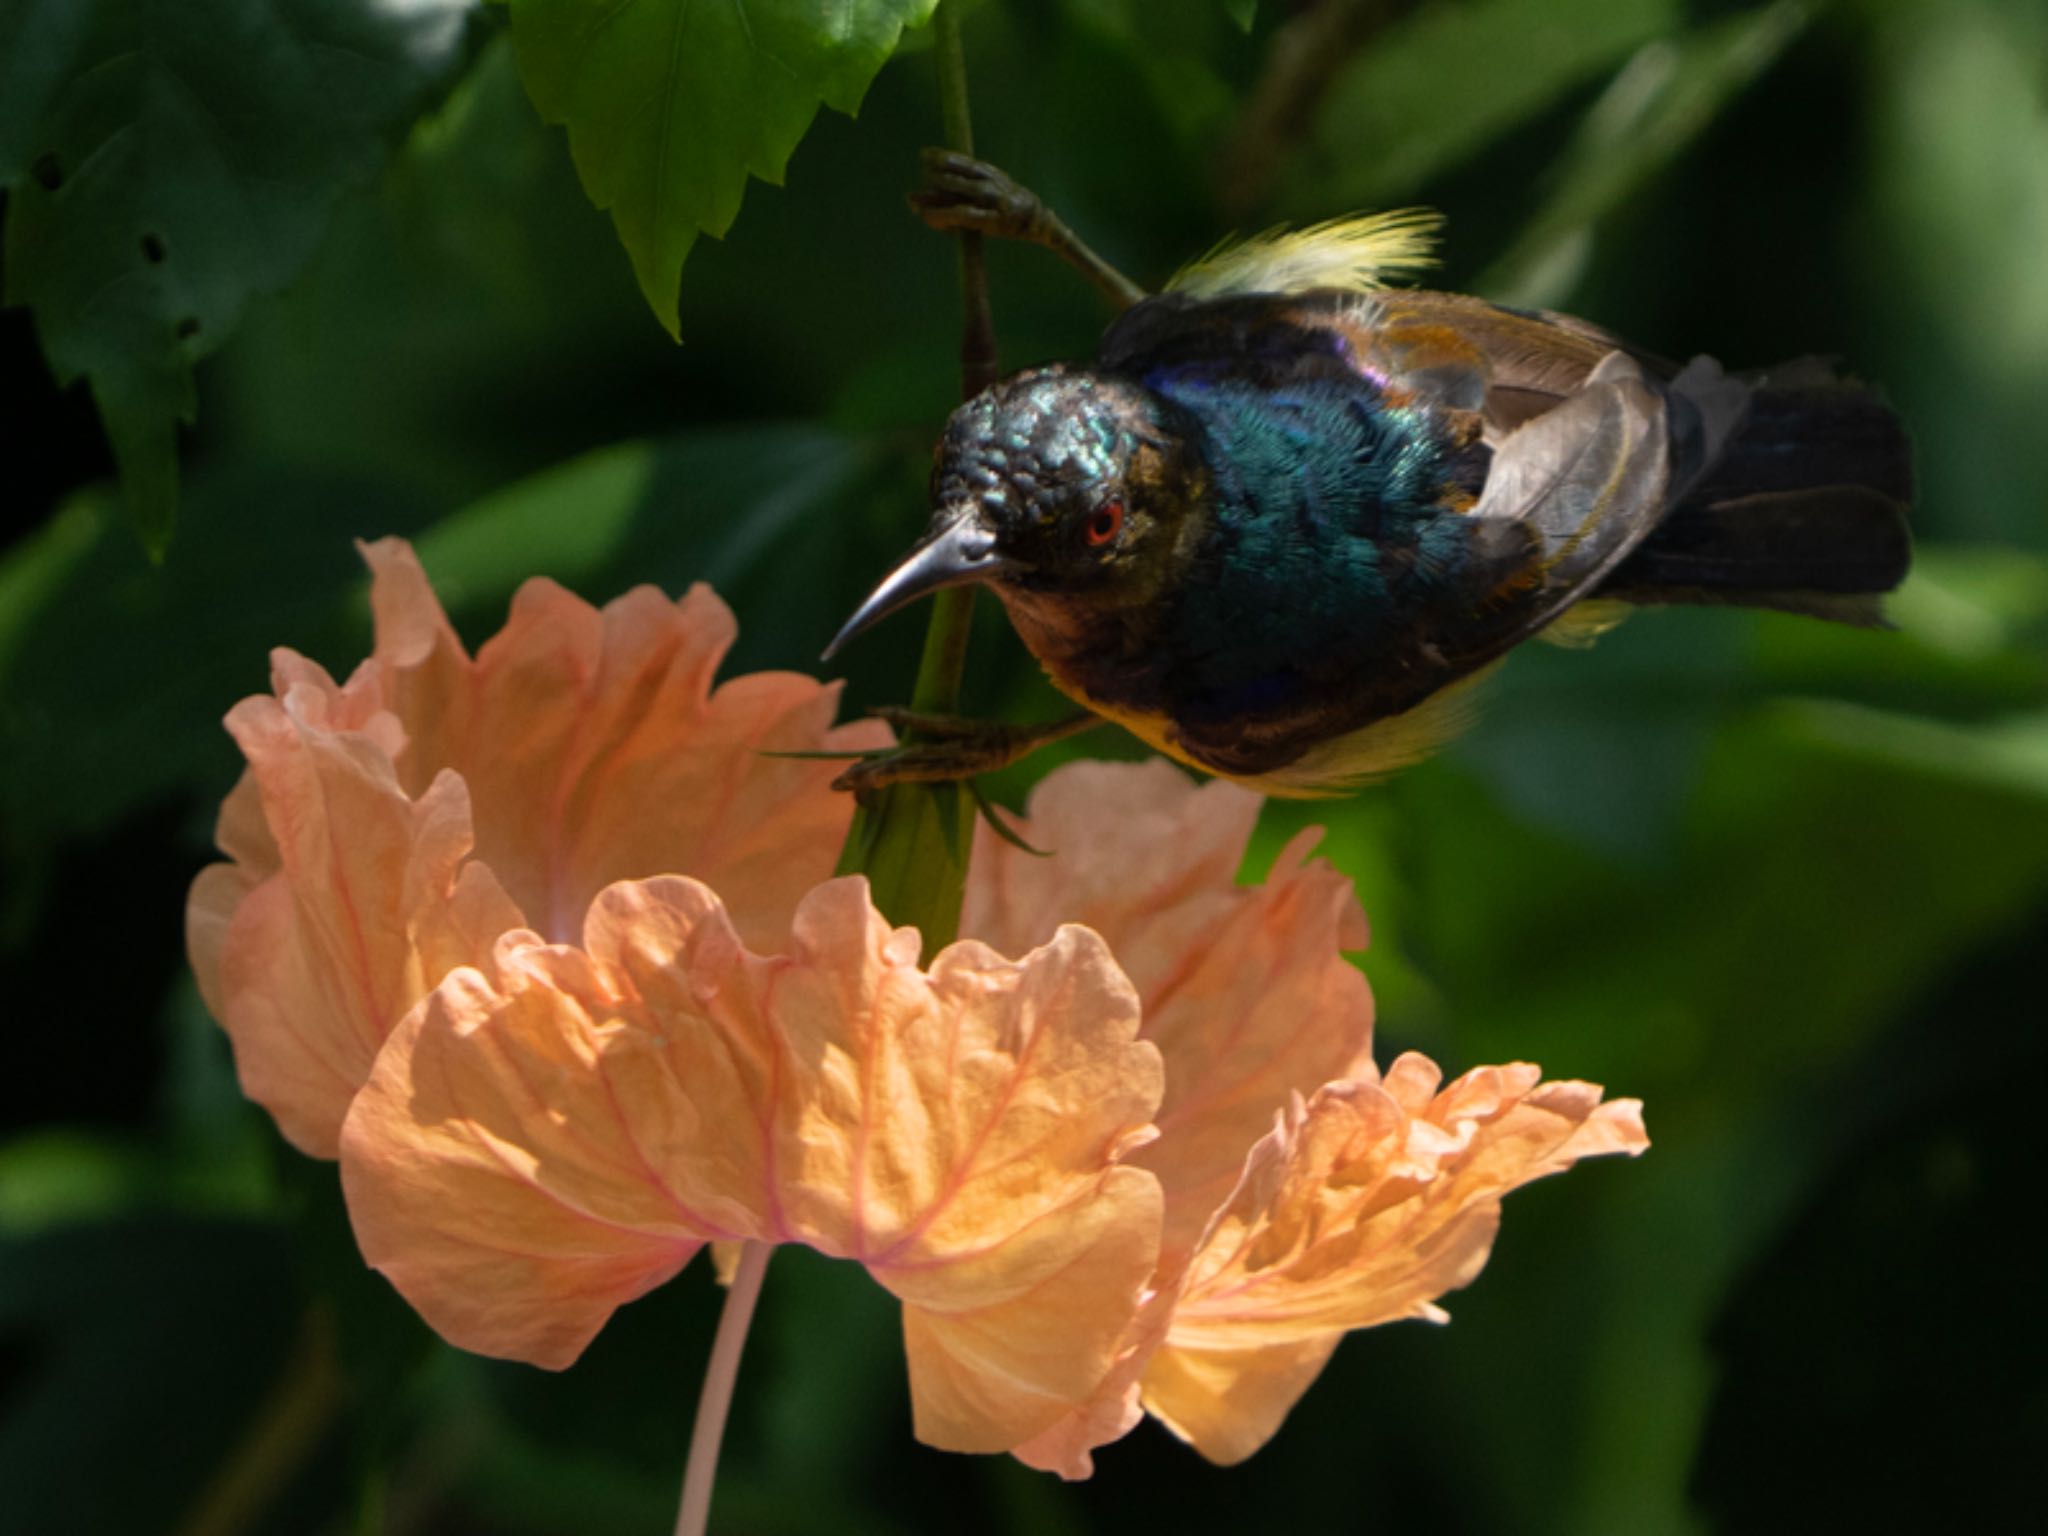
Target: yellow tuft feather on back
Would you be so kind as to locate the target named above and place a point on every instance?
(1359, 253)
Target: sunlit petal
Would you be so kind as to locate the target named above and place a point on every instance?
(490, 1177)
(1004, 1343)
(371, 903)
(596, 748)
(1245, 989)
(391, 828)
(1113, 1409)
(1266, 1008)
(1139, 853)
(598, 1111)
(1229, 1402)
(1364, 1204)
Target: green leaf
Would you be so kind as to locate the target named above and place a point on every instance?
(114, 675)
(671, 105)
(165, 163)
(1661, 100)
(1182, 55)
(1450, 80)
(1825, 1427)
(2009, 754)
(1243, 12)
(160, 1378)
(1957, 146)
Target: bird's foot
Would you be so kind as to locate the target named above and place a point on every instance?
(964, 195)
(942, 748)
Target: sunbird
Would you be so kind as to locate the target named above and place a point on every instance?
(1288, 515)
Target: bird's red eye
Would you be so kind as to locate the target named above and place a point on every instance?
(1104, 524)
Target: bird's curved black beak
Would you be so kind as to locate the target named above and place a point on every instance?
(960, 550)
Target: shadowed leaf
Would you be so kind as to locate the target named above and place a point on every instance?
(165, 163)
(671, 105)
(1667, 94)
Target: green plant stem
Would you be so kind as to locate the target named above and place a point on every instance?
(945, 644)
(912, 840)
(715, 1400)
(978, 329)
(282, 1436)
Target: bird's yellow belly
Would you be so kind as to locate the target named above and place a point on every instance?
(1155, 730)
(1331, 767)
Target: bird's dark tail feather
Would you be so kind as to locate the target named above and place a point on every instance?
(1805, 511)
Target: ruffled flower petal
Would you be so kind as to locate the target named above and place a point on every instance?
(1005, 1342)
(1139, 853)
(1267, 1008)
(392, 829)
(596, 748)
(371, 903)
(1245, 989)
(1229, 1402)
(598, 1112)
(1113, 1409)
(1363, 1205)
(957, 1138)
(490, 1176)
(243, 834)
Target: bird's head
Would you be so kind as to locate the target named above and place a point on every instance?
(1056, 485)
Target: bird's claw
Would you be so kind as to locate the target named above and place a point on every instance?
(944, 748)
(928, 763)
(961, 193)
(951, 747)
(968, 196)
(935, 727)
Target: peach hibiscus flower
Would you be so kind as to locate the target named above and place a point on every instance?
(544, 946)
(391, 828)
(1305, 1194)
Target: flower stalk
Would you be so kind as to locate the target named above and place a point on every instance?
(715, 1401)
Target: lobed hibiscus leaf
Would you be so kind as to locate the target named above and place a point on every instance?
(164, 163)
(671, 105)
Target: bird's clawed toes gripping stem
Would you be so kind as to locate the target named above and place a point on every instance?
(953, 749)
(943, 748)
(960, 194)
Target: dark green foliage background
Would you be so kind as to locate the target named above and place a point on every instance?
(1788, 884)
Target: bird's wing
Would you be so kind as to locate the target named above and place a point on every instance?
(1587, 442)
(1592, 440)
(1568, 495)
(1511, 364)
(1588, 480)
